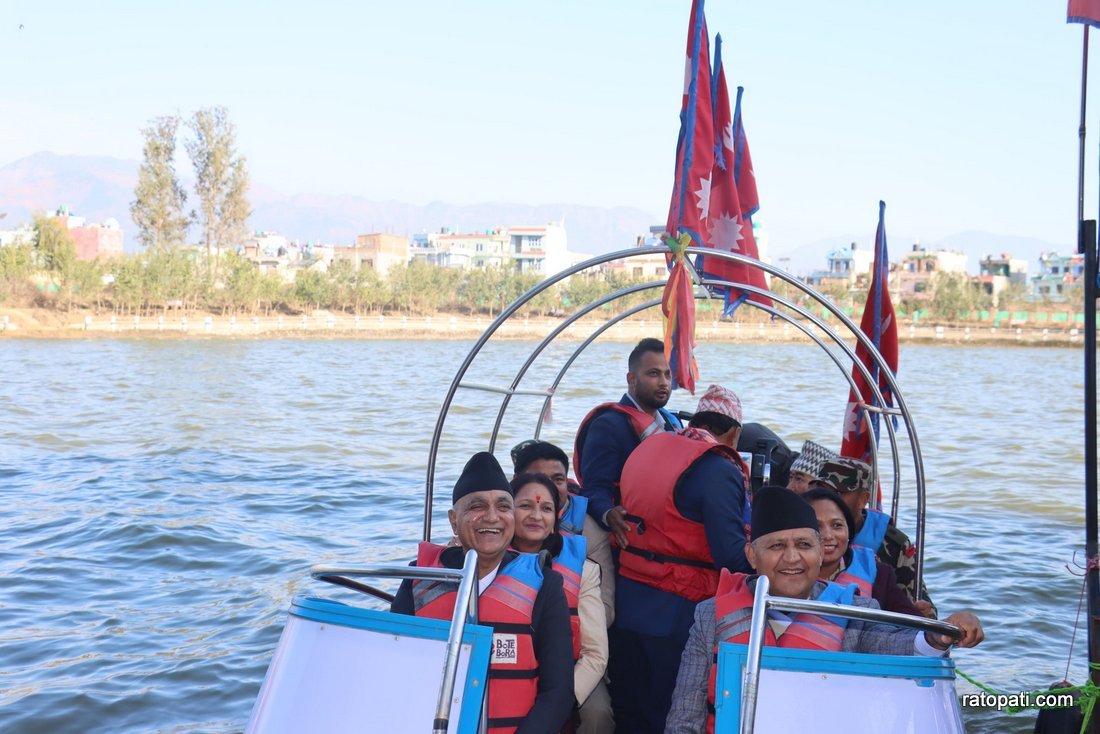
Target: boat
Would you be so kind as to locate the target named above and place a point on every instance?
(341, 666)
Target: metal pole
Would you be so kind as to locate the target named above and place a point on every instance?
(467, 588)
(1081, 128)
(750, 687)
(1088, 242)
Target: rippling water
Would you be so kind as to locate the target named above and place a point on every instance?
(163, 500)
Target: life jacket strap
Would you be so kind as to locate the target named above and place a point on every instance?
(663, 558)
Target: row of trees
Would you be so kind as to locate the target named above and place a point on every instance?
(47, 272)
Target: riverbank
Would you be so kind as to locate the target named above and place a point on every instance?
(50, 324)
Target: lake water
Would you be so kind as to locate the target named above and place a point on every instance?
(164, 500)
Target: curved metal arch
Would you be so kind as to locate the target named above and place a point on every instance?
(884, 369)
(864, 372)
(433, 450)
(775, 272)
(805, 314)
(622, 293)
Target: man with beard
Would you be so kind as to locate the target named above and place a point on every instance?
(606, 438)
(611, 431)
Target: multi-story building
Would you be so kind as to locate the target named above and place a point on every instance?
(1057, 273)
(914, 275)
(450, 249)
(538, 249)
(92, 240)
(998, 272)
(380, 251)
(845, 266)
(523, 248)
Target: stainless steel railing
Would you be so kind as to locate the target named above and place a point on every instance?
(465, 610)
(762, 602)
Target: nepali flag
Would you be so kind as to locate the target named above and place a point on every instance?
(733, 196)
(690, 205)
(881, 328)
(1084, 11)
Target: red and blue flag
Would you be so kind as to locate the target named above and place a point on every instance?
(1084, 11)
(880, 326)
(733, 195)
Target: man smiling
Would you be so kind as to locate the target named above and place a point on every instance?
(787, 549)
(520, 597)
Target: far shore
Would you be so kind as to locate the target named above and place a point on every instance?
(80, 324)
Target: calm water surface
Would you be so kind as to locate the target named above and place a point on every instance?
(164, 500)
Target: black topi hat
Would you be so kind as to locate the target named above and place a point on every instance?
(482, 473)
(778, 508)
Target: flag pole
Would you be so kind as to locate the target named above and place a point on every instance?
(1086, 243)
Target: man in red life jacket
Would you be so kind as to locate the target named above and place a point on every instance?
(787, 549)
(687, 491)
(545, 458)
(611, 431)
(851, 479)
(521, 598)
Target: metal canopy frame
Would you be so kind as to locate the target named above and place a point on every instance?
(798, 316)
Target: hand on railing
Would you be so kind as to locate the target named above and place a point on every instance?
(970, 627)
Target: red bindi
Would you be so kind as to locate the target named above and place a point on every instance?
(538, 498)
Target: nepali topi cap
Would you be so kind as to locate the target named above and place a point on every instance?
(778, 508)
(721, 400)
(844, 475)
(811, 458)
(482, 473)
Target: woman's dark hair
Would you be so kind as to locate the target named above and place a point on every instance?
(553, 541)
(824, 493)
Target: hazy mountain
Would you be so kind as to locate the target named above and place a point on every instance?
(99, 187)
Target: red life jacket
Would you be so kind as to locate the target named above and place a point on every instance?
(733, 611)
(861, 571)
(570, 564)
(670, 553)
(507, 607)
(643, 424)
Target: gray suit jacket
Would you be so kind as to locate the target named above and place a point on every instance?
(688, 714)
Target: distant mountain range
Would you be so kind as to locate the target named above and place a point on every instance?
(101, 187)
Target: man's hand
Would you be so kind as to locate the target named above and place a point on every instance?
(971, 629)
(616, 521)
(925, 608)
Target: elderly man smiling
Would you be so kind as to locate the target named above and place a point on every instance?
(520, 597)
(787, 549)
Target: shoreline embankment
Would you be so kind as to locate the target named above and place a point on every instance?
(50, 324)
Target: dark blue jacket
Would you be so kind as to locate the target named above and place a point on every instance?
(608, 443)
(711, 491)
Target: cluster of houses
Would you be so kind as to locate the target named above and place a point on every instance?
(913, 277)
(542, 249)
(539, 249)
(91, 239)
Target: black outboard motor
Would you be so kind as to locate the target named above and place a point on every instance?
(771, 457)
(767, 455)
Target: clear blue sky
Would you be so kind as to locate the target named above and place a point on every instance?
(961, 115)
